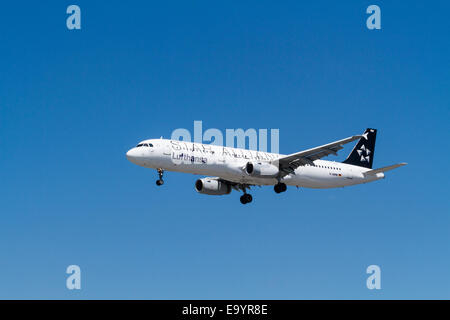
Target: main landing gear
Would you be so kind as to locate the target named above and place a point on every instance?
(246, 197)
(280, 187)
(160, 181)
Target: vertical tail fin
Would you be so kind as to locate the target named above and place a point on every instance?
(363, 152)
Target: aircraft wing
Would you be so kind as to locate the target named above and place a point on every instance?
(291, 162)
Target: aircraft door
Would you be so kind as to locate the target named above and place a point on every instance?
(167, 150)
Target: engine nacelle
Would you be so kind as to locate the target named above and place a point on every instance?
(261, 169)
(212, 186)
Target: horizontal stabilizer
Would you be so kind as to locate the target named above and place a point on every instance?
(384, 169)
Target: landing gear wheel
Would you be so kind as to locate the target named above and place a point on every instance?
(280, 187)
(160, 181)
(246, 198)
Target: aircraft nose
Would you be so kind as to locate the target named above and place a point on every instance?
(132, 155)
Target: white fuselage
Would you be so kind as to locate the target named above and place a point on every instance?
(229, 163)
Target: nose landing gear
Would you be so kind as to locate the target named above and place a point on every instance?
(160, 181)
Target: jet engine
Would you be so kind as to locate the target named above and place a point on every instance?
(261, 169)
(212, 186)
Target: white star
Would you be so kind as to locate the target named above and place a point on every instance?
(361, 152)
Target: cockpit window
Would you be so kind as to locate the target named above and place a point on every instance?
(144, 145)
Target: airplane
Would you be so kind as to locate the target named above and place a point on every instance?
(240, 169)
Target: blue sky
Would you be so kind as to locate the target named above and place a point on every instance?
(73, 102)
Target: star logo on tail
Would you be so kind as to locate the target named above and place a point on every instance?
(364, 153)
